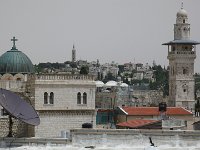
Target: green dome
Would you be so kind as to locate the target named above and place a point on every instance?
(15, 61)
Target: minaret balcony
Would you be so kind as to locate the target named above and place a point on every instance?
(179, 54)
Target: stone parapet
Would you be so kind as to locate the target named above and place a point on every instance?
(132, 137)
(63, 77)
(135, 132)
(10, 142)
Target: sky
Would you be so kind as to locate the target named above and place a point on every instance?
(109, 30)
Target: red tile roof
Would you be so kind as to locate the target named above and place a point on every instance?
(137, 123)
(145, 111)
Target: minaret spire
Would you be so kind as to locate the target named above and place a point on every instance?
(73, 54)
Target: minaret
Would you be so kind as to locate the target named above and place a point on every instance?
(181, 56)
(73, 54)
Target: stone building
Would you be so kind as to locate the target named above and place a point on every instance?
(63, 102)
(181, 55)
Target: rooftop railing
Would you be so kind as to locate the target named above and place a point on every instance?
(63, 77)
(183, 52)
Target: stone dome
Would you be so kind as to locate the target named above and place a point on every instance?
(15, 61)
(182, 13)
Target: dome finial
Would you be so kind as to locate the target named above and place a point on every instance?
(182, 5)
(14, 39)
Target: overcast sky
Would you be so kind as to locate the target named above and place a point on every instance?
(109, 30)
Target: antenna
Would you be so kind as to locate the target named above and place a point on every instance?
(18, 108)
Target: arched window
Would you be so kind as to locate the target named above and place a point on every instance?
(51, 98)
(84, 98)
(183, 20)
(79, 98)
(45, 98)
(185, 88)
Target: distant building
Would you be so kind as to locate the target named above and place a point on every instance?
(143, 96)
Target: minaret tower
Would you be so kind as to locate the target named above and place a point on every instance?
(181, 56)
(73, 54)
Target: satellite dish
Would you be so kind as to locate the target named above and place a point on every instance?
(18, 108)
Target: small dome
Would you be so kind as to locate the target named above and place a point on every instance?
(111, 83)
(99, 83)
(181, 13)
(124, 85)
(15, 61)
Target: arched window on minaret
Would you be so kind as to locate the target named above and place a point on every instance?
(45, 98)
(185, 88)
(183, 20)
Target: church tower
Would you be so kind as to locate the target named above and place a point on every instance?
(73, 54)
(181, 56)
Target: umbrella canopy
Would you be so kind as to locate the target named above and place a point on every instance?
(18, 108)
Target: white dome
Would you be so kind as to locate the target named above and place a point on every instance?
(111, 83)
(182, 12)
(124, 85)
(99, 83)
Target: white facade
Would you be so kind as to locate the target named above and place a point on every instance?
(62, 109)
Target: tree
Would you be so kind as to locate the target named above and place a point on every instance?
(109, 77)
(84, 70)
(161, 80)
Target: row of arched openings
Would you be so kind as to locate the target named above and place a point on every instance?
(80, 99)
(48, 98)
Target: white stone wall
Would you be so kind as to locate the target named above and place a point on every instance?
(65, 97)
(53, 123)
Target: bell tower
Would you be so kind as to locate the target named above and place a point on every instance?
(181, 56)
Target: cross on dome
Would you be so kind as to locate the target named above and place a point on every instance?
(14, 40)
